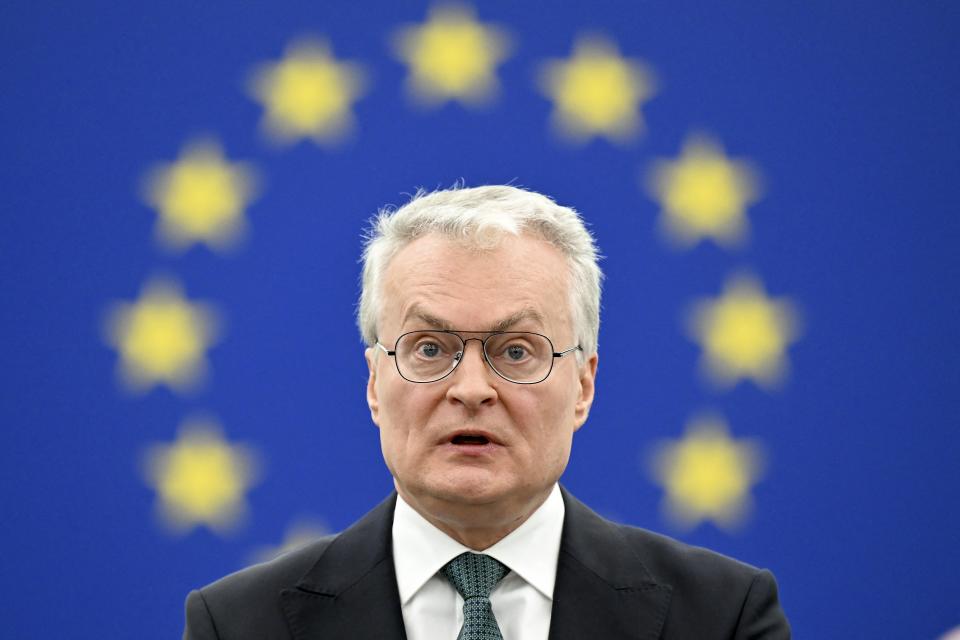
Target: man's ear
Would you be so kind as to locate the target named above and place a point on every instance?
(587, 379)
(371, 357)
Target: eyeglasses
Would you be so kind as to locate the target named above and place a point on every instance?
(517, 356)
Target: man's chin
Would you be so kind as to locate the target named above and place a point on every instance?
(469, 487)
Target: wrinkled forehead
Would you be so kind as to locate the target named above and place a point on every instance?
(521, 283)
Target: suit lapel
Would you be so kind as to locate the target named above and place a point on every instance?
(603, 589)
(351, 591)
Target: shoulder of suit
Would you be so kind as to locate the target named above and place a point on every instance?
(678, 563)
(269, 577)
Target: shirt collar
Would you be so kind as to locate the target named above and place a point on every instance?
(420, 550)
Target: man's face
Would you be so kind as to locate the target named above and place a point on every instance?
(529, 428)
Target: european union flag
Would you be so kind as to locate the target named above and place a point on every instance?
(185, 191)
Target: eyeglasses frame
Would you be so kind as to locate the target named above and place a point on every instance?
(483, 350)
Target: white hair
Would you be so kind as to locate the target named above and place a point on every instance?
(480, 216)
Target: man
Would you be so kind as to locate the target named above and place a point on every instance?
(480, 311)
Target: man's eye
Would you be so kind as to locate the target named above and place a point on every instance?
(516, 352)
(428, 349)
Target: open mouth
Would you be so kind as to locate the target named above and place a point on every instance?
(466, 438)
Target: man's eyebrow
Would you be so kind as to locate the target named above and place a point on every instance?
(430, 320)
(434, 322)
(517, 318)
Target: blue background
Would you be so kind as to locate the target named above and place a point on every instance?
(848, 109)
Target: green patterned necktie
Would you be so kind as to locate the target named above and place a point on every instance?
(475, 575)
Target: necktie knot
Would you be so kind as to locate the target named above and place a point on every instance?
(474, 575)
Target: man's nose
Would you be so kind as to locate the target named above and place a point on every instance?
(471, 381)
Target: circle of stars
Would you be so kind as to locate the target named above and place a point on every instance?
(309, 94)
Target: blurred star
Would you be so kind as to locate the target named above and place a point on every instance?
(308, 94)
(744, 334)
(707, 475)
(597, 92)
(200, 197)
(162, 338)
(300, 533)
(703, 194)
(200, 479)
(452, 56)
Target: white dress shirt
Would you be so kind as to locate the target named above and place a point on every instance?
(522, 602)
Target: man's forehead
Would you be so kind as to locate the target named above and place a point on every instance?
(435, 319)
(436, 282)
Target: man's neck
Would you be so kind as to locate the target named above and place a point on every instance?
(478, 527)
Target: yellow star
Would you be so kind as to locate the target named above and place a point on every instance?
(200, 197)
(744, 334)
(200, 479)
(308, 94)
(452, 56)
(162, 338)
(707, 475)
(703, 194)
(300, 533)
(597, 92)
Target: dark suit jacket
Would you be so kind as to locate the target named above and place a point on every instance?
(613, 581)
